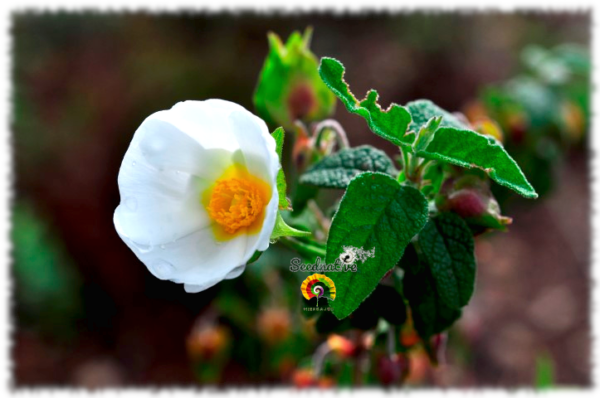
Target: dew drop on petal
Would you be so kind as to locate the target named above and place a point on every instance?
(162, 268)
(141, 247)
(131, 203)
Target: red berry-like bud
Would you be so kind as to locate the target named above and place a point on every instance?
(391, 370)
(471, 198)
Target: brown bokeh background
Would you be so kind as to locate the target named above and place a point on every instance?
(82, 83)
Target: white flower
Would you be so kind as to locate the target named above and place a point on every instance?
(198, 192)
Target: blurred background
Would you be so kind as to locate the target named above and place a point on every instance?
(86, 312)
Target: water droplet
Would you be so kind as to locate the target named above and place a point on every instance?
(131, 203)
(162, 247)
(141, 247)
(133, 163)
(162, 268)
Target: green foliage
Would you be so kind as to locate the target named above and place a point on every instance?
(447, 246)
(376, 212)
(47, 285)
(289, 87)
(544, 371)
(422, 111)
(429, 311)
(338, 169)
(469, 149)
(390, 124)
(284, 203)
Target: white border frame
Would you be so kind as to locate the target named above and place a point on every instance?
(286, 7)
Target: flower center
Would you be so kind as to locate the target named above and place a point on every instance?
(235, 203)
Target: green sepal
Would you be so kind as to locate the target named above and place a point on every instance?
(289, 87)
(390, 124)
(284, 203)
(282, 229)
(254, 257)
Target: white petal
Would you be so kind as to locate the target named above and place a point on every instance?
(262, 240)
(195, 259)
(257, 145)
(157, 206)
(236, 272)
(206, 122)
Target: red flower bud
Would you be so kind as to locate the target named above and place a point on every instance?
(471, 198)
(391, 370)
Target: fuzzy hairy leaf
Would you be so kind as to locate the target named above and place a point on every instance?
(469, 149)
(390, 124)
(430, 313)
(337, 170)
(422, 111)
(376, 212)
(447, 246)
(453, 142)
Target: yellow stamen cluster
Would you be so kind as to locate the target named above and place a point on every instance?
(235, 204)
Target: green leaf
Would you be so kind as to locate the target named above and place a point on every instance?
(338, 169)
(430, 313)
(282, 229)
(421, 111)
(469, 149)
(390, 124)
(447, 246)
(376, 212)
(284, 203)
(453, 142)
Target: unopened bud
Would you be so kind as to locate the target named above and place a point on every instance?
(392, 369)
(274, 325)
(341, 345)
(207, 341)
(471, 198)
(302, 378)
(289, 86)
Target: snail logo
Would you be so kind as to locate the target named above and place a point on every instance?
(352, 254)
(318, 285)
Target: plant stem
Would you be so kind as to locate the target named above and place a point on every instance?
(333, 125)
(324, 222)
(304, 249)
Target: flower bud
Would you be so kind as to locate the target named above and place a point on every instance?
(274, 325)
(207, 341)
(518, 123)
(487, 126)
(325, 382)
(572, 120)
(471, 198)
(341, 345)
(391, 370)
(303, 378)
(289, 87)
